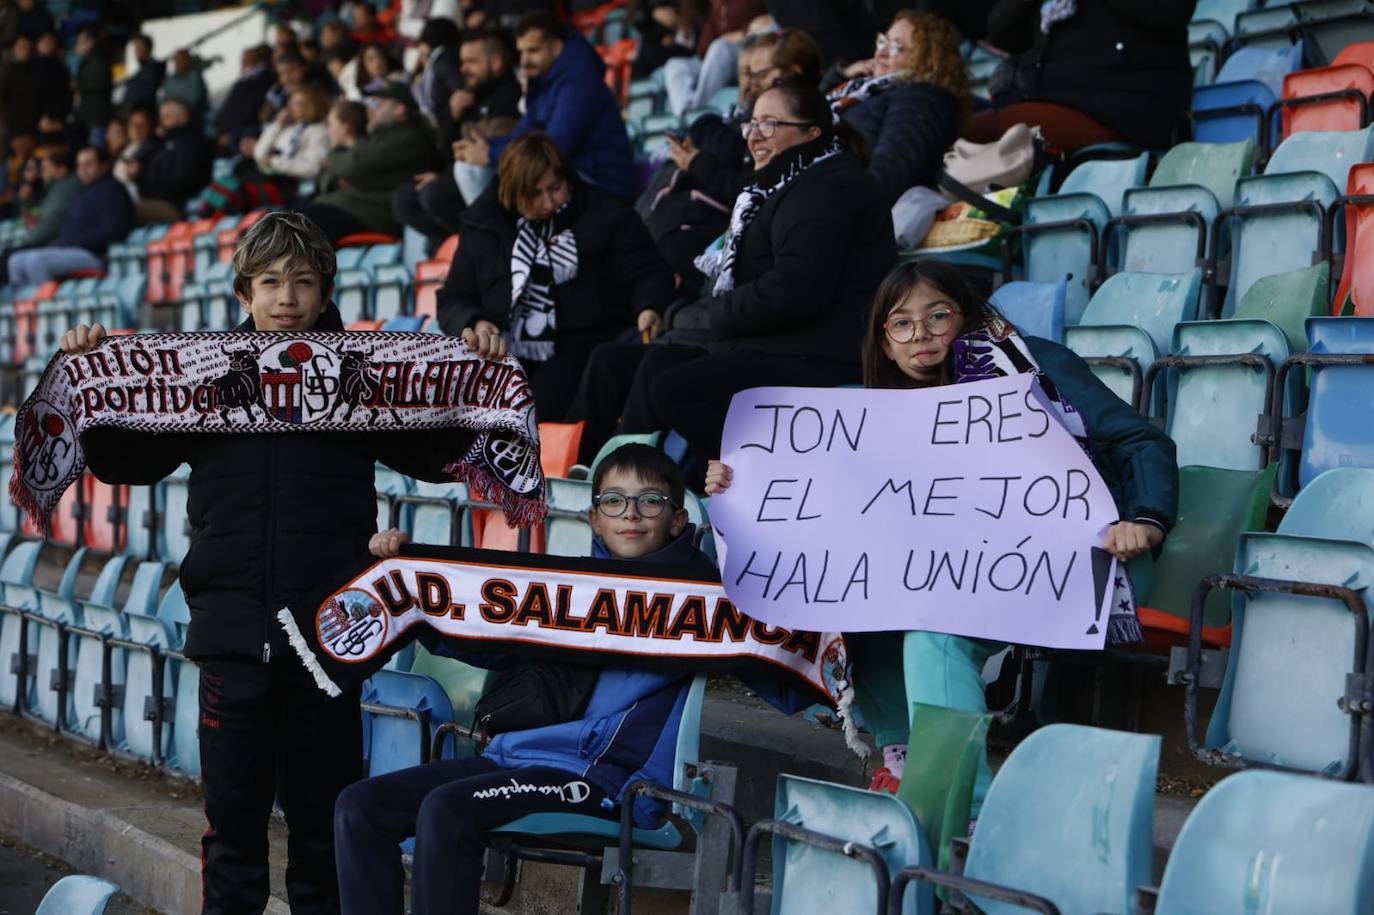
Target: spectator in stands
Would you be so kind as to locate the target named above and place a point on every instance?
(52, 132)
(548, 268)
(346, 124)
(917, 323)
(343, 69)
(116, 137)
(18, 91)
(100, 214)
(376, 68)
(51, 76)
(661, 37)
(176, 171)
(565, 97)
(1090, 72)
(366, 28)
(94, 86)
(415, 13)
(294, 146)
(51, 195)
(714, 159)
(293, 71)
(143, 142)
(691, 82)
(809, 241)
(186, 83)
(907, 100)
(140, 90)
(441, 76)
(34, 19)
(637, 493)
(334, 37)
(361, 175)
(267, 528)
(236, 124)
(488, 104)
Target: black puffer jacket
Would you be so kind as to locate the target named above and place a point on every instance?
(273, 517)
(619, 271)
(908, 129)
(808, 264)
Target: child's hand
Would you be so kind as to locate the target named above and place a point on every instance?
(1127, 539)
(484, 338)
(388, 543)
(718, 477)
(82, 339)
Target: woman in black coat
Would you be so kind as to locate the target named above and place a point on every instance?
(787, 286)
(1090, 72)
(548, 267)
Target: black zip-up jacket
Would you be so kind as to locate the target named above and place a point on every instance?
(273, 516)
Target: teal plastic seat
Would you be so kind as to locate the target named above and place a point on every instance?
(390, 290)
(174, 534)
(142, 505)
(1069, 817)
(434, 513)
(567, 531)
(813, 881)
(185, 755)
(1330, 152)
(1132, 316)
(1036, 309)
(146, 627)
(1263, 244)
(55, 608)
(464, 685)
(1274, 842)
(16, 577)
(97, 616)
(390, 487)
(1290, 654)
(574, 827)
(77, 894)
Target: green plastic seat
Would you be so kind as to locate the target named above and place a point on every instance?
(941, 764)
(1215, 507)
(630, 438)
(463, 683)
(566, 530)
(1288, 300)
(1214, 166)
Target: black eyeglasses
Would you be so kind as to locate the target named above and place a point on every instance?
(647, 504)
(769, 126)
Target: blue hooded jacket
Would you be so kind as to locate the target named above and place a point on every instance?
(572, 104)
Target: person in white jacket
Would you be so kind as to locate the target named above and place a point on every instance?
(296, 142)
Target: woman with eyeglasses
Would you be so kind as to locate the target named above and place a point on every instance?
(808, 241)
(927, 328)
(907, 100)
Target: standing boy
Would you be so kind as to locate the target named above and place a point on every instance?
(272, 517)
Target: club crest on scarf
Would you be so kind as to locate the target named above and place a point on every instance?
(352, 625)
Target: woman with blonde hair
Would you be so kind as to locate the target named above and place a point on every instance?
(907, 101)
(295, 143)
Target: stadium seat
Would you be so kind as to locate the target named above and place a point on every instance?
(185, 756)
(403, 709)
(103, 510)
(226, 239)
(51, 698)
(174, 531)
(939, 773)
(1061, 231)
(1290, 653)
(567, 532)
(390, 486)
(1326, 98)
(9, 512)
(144, 681)
(653, 142)
(1282, 841)
(811, 878)
(1236, 106)
(430, 275)
(16, 576)
(406, 324)
(1036, 309)
(140, 519)
(1329, 152)
(435, 513)
(1069, 818)
(1355, 294)
(558, 444)
(464, 685)
(99, 622)
(1130, 322)
(206, 244)
(77, 894)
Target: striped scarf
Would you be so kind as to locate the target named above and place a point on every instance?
(719, 259)
(541, 259)
(997, 351)
(851, 92)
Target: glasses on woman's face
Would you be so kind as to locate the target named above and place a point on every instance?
(768, 126)
(647, 504)
(885, 45)
(938, 322)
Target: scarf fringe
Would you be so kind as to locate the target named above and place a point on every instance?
(1124, 629)
(24, 498)
(302, 650)
(520, 511)
(844, 707)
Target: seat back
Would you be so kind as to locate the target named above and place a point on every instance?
(462, 683)
(1074, 794)
(1359, 52)
(940, 769)
(1152, 302)
(146, 589)
(1337, 505)
(77, 894)
(1264, 65)
(1264, 244)
(394, 743)
(1288, 300)
(1036, 309)
(1338, 432)
(1327, 114)
(1165, 246)
(810, 880)
(1107, 179)
(1329, 152)
(1274, 842)
(1231, 112)
(1355, 295)
(558, 446)
(174, 536)
(1214, 166)
(567, 532)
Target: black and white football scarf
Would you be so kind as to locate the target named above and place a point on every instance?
(853, 91)
(542, 258)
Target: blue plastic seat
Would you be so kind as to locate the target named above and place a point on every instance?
(1036, 309)
(1069, 817)
(390, 291)
(1132, 316)
(1290, 653)
(55, 609)
(99, 618)
(140, 518)
(1274, 842)
(396, 742)
(1329, 152)
(146, 628)
(1338, 432)
(411, 324)
(77, 894)
(174, 532)
(16, 577)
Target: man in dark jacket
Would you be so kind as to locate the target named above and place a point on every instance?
(566, 97)
(179, 169)
(359, 178)
(272, 518)
(93, 88)
(238, 116)
(19, 92)
(489, 96)
(51, 76)
(102, 213)
(441, 76)
(140, 90)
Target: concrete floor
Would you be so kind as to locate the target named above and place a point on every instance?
(27, 874)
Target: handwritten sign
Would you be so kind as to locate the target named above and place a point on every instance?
(966, 509)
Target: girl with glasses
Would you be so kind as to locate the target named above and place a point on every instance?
(927, 328)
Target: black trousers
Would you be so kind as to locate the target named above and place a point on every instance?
(448, 806)
(267, 729)
(630, 387)
(433, 209)
(554, 381)
(333, 221)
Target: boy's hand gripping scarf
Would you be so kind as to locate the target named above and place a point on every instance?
(252, 383)
(462, 602)
(998, 351)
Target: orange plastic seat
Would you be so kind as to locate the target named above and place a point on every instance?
(47, 291)
(1165, 630)
(82, 273)
(103, 509)
(365, 238)
(1327, 98)
(181, 258)
(364, 325)
(228, 238)
(159, 256)
(430, 275)
(558, 444)
(1361, 52)
(1356, 289)
(447, 250)
(588, 22)
(25, 328)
